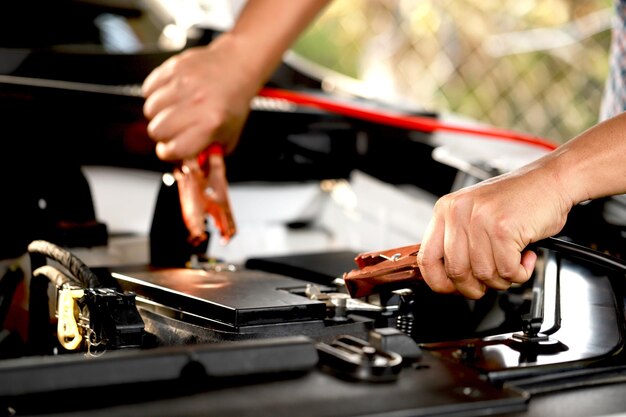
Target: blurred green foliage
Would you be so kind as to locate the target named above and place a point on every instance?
(537, 66)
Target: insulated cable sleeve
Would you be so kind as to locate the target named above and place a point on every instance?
(68, 260)
(55, 276)
(420, 123)
(579, 251)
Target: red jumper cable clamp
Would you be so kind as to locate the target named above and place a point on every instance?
(390, 269)
(203, 190)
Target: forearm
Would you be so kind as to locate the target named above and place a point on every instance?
(593, 164)
(265, 29)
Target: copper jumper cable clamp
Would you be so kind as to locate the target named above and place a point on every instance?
(387, 270)
(203, 191)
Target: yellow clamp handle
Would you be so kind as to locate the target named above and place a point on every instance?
(68, 332)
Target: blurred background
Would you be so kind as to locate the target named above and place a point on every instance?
(533, 66)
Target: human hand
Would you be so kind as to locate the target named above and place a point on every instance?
(477, 236)
(198, 97)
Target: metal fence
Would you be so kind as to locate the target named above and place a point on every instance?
(533, 66)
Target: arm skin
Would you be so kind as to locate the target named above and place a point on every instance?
(203, 94)
(477, 235)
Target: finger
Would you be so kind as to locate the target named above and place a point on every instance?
(167, 95)
(529, 260)
(457, 252)
(482, 260)
(172, 121)
(510, 264)
(497, 283)
(160, 76)
(430, 258)
(186, 144)
(459, 272)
